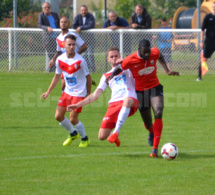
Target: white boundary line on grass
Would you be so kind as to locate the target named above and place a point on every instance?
(80, 155)
(72, 155)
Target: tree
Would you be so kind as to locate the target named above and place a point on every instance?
(125, 8)
(6, 6)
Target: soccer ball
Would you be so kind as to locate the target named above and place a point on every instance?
(169, 151)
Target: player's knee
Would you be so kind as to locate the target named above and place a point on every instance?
(158, 114)
(128, 102)
(72, 120)
(102, 137)
(59, 117)
(103, 134)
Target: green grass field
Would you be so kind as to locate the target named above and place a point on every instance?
(33, 160)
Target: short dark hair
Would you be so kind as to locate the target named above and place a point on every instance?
(144, 43)
(84, 6)
(69, 36)
(112, 49)
(140, 6)
(163, 19)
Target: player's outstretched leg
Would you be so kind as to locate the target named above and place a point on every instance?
(122, 116)
(113, 138)
(158, 126)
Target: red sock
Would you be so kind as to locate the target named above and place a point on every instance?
(158, 127)
(150, 129)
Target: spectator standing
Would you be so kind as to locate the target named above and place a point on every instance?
(140, 19)
(48, 21)
(165, 42)
(86, 21)
(207, 39)
(115, 22)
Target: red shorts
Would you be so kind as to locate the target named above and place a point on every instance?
(67, 99)
(111, 116)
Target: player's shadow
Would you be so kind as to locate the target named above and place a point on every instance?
(186, 156)
(36, 127)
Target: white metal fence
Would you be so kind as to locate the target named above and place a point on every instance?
(22, 49)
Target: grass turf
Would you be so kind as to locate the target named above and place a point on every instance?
(33, 160)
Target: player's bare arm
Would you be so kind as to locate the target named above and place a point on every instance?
(89, 84)
(54, 58)
(91, 98)
(163, 63)
(82, 48)
(117, 71)
(202, 35)
(54, 82)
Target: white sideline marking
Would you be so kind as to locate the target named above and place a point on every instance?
(79, 155)
(71, 155)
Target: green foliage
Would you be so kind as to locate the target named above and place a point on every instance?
(65, 12)
(125, 8)
(97, 9)
(25, 19)
(27, 13)
(5, 7)
(33, 160)
(157, 8)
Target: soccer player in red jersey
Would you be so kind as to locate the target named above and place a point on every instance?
(149, 91)
(78, 86)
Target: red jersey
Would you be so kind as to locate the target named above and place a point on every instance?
(144, 71)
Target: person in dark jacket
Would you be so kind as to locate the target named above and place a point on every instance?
(140, 19)
(48, 21)
(207, 36)
(86, 21)
(115, 22)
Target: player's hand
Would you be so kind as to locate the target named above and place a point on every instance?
(173, 73)
(44, 95)
(71, 107)
(119, 61)
(51, 63)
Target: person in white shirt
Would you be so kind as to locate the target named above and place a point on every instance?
(78, 86)
(123, 102)
(81, 46)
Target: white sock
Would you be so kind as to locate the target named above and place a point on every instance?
(123, 115)
(66, 124)
(80, 129)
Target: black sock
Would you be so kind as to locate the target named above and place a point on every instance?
(74, 133)
(200, 72)
(84, 139)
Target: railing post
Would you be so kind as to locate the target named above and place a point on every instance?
(121, 42)
(47, 61)
(10, 49)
